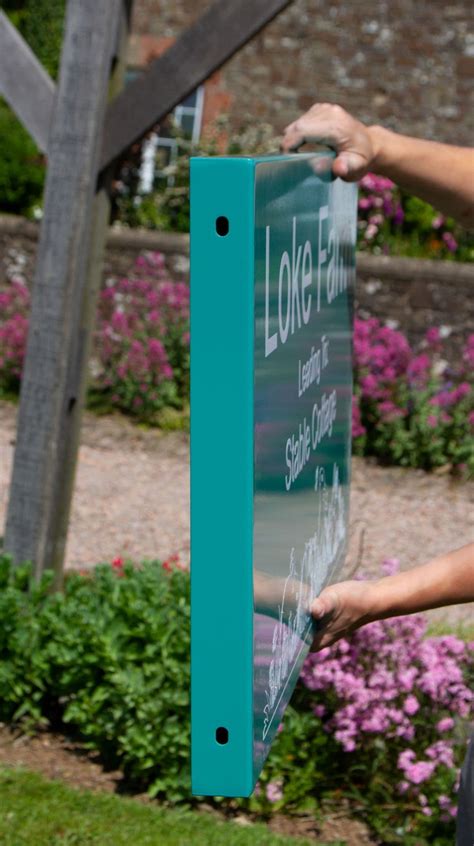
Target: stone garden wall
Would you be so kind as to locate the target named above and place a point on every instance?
(412, 294)
(408, 65)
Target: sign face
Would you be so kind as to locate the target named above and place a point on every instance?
(272, 271)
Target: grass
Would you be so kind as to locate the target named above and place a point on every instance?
(47, 813)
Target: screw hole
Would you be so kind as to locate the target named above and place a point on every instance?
(222, 735)
(222, 226)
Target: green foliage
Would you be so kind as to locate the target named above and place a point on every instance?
(391, 221)
(42, 26)
(47, 813)
(110, 657)
(16, 11)
(21, 166)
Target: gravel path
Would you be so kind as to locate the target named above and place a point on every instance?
(132, 499)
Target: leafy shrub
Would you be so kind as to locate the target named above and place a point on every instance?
(42, 25)
(413, 410)
(110, 658)
(22, 169)
(376, 720)
(21, 166)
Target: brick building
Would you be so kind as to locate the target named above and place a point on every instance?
(407, 64)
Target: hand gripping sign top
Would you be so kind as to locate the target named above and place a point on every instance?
(272, 273)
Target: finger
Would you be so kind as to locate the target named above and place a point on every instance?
(310, 128)
(322, 640)
(340, 167)
(293, 139)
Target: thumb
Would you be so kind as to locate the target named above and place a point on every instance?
(324, 604)
(348, 166)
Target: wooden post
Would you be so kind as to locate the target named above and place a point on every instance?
(63, 293)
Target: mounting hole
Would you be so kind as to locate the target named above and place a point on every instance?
(222, 735)
(222, 226)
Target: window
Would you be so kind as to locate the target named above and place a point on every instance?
(160, 150)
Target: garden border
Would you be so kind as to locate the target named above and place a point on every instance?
(408, 292)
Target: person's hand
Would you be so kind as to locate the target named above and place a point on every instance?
(330, 124)
(339, 610)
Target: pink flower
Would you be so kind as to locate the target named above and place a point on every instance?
(441, 752)
(450, 241)
(411, 705)
(273, 790)
(462, 391)
(433, 335)
(446, 724)
(420, 771)
(369, 385)
(389, 411)
(419, 366)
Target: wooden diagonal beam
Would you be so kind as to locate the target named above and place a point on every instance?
(25, 84)
(203, 48)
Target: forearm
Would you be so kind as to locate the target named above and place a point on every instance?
(446, 580)
(441, 174)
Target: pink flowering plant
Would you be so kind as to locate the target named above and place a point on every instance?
(409, 408)
(140, 358)
(380, 719)
(141, 361)
(391, 221)
(14, 307)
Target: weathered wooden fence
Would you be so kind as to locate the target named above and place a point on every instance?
(84, 124)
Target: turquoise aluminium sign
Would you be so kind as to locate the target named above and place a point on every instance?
(272, 271)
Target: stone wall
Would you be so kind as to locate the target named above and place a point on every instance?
(411, 294)
(408, 65)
